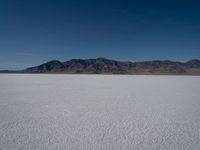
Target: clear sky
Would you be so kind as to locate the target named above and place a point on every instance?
(36, 31)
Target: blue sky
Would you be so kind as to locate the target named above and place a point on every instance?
(36, 31)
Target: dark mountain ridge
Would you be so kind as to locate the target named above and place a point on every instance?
(107, 66)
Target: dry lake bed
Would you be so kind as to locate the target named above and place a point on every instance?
(99, 112)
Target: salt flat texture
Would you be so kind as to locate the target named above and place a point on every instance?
(94, 112)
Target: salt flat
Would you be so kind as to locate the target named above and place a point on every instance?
(108, 112)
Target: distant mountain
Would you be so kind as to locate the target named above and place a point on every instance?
(107, 66)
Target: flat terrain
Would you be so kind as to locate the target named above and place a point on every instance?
(94, 112)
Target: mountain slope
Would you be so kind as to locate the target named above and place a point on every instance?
(52, 66)
(106, 66)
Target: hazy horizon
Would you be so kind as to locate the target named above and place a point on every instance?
(97, 58)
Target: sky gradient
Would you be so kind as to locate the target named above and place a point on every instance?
(35, 31)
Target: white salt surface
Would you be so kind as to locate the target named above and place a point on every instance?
(99, 112)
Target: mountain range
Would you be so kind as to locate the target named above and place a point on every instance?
(107, 66)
